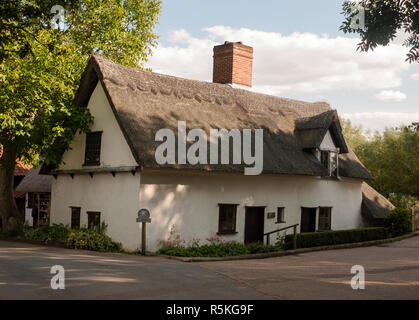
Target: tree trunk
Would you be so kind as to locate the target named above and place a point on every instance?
(9, 213)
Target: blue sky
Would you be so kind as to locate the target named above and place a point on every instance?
(299, 53)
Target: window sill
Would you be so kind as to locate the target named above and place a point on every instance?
(280, 222)
(331, 178)
(90, 164)
(227, 233)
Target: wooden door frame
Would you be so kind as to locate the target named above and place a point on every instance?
(245, 220)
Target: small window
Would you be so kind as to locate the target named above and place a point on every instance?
(75, 217)
(92, 151)
(329, 160)
(280, 215)
(93, 220)
(325, 218)
(227, 218)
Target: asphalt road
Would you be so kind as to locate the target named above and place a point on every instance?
(391, 272)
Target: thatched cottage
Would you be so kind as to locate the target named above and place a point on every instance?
(310, 175)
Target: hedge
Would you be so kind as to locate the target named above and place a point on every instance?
(324, 238)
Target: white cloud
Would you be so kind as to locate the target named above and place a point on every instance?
(391, 95)
(380, 120)
(300, 62)
(415, 76)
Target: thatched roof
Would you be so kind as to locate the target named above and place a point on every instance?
(310, 131)
(34, 182)
(144, 102)
(374, 205)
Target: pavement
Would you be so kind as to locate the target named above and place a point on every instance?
(391, 272)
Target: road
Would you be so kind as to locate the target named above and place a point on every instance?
(391, 272)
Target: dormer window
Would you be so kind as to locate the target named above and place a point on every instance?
(92, 151)
(330, 160)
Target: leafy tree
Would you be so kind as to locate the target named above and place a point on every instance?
(393, 159)
(354, 135)
(40, 68)
(383, 18)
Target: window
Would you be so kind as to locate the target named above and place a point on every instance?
(325, 218)
(329, 160)
(227, 218)
(93, 220)
(75, 217)
(280, 215)
(92, 151)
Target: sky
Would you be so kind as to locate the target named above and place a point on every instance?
(299, 53)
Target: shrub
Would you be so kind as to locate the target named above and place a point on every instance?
(92, 240)
(80, 239)
(10, 233)
(315, 239)
(217, 247)
(398, 222)
(56, 232)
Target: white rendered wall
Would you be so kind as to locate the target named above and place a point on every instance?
(327, 143)
(115, 151)
(189, 201)
(116, 198)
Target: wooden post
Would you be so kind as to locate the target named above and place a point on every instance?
(267, 239)
(294, 244)
(143, 239)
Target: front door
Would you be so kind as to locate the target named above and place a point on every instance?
(308, 220)
(254, 224)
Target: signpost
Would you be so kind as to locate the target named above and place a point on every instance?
(144, 218)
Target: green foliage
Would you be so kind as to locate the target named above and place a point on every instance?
(383, 18)
(79, 239)
(10, 233)
(315, 239)
(354, 135)
(217, 247)
(56, 233)
(393, 160)
(398, 222)
(91, 240)
(40, 67)
(40, 70)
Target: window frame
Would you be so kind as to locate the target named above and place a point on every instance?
(280, 219)
(232, 229)
(79, 218)
(89, 213)
(331, 155)
(88, 162)
(320, 222)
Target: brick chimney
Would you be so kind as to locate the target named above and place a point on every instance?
(233, 64)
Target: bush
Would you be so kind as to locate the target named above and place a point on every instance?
(91, 240)
(10, 233)
(315, 239)
(398, 222)
(80, 239)
(56, 232)
(218, 248)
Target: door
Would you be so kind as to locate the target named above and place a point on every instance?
(308, 220)
(254, 224)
